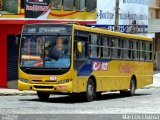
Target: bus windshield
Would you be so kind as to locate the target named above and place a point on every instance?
(38, 51)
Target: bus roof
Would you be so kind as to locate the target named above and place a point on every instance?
(98, 30)
(112, 33)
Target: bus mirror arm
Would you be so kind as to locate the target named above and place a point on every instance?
(89, 61)
(17, 38)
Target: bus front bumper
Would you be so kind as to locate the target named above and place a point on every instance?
(67, 87)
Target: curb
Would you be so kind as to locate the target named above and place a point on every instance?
(17, 94)
(149, 87)
(10, 92)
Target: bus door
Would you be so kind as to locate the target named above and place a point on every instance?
(82, 65)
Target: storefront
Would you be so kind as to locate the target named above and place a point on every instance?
(8, 51)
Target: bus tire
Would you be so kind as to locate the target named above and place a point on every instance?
(90, 91)
(43, 96)
(132, 88)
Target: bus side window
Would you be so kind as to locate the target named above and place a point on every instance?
(83, 55)
(119, 48)
(114, 47)
(148, 51)
(105, 50)
(80, 58)
(142, 50)
(130, 49)
(151, 51)
(134, 50)
(125, 47)
(138, 48)
(93, 46)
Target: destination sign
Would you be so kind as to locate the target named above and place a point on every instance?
(47, 29)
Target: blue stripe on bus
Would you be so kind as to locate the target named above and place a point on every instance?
(86, 69)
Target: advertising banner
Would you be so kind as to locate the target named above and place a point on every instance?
(37, 9)
(133, 15)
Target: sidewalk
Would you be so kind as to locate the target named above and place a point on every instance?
(8, 92)
(156, 80)
(13, 92)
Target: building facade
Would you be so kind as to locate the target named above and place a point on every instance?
(154, 29)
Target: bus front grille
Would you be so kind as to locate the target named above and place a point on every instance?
(40, 81)
(37, 81)
(43, 87)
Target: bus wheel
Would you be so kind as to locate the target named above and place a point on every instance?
(91, 91)
(43, 96)
(132, 87)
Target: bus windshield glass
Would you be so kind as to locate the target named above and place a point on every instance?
(53, 51)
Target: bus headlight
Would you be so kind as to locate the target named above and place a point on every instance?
(64, 81)
(24, 80)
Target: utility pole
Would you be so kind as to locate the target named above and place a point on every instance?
(116, 15)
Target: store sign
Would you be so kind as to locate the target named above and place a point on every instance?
(37, 9)
(133, 15)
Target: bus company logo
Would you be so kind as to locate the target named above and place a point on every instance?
(96, 66)
(126, 68)
(104, 66)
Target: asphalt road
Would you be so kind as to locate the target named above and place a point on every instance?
(146, 101)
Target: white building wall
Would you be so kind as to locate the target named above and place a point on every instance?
(152, 3)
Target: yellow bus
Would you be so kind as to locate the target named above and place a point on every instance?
(70, 58)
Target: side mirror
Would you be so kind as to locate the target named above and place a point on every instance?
(17, 40)
(79, 47)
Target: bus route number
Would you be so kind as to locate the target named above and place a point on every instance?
(53, 78)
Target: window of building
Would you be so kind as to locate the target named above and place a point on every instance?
(91, 5)
(56, 4)
(80, 5)
(68, 4)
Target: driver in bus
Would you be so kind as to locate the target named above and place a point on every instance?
(58, 51)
